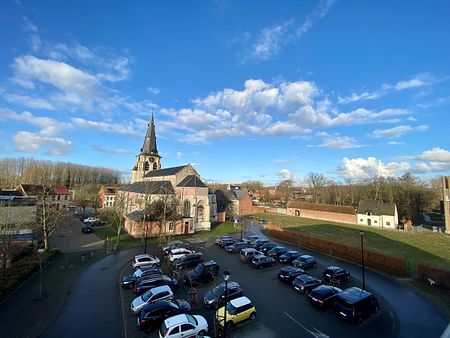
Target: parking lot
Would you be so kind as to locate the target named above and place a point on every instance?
(281, 311)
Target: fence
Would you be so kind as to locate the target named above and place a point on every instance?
(388, 264)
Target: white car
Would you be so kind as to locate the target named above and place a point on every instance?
(90, 220)
(152, 295)
(145, 259)
(178, 252)
(184, 325)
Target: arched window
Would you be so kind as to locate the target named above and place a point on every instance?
(155, 166)
(187, 209)
(200, 213)
(146, 166)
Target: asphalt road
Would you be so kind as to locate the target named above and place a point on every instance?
(93, 308)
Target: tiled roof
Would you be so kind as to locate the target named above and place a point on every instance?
(33, 189)
(61, 190)
(192, 181)
(376, 207)
(342, 209)
(154, 187)
(10, 193)
(164, 172)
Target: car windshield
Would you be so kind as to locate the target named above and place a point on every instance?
(231, 309)
(144, 259)
(191, 319)
(218, 290)
(146, 296)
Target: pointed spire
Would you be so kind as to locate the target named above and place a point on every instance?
(149, 147)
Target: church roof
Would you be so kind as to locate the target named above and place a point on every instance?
(164, 172)
(154, 187)
(192, 181)
(149, 147)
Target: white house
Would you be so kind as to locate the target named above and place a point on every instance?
(377, 214)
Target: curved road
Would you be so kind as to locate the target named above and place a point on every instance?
(93, 308)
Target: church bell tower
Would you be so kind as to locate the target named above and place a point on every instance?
(148, 159)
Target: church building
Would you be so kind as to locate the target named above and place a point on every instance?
(196, 206)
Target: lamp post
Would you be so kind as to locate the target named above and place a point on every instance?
(226, 277)
(145, 245)
(362, 259)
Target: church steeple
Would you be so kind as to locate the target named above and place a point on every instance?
(149, 147)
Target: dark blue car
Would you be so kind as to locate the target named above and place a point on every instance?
(276, 251)
(289, 273)
(288, 256)
(150, 282)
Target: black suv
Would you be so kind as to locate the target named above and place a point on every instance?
(305, 283)
(354, 304)
(277, 251)
(153, 314)
(217, 295)
(289, 273)
(203, 273)
(266, 247)
(335, 275)
(187, 261)
(323, 296)
(146, 283)
(256, 244)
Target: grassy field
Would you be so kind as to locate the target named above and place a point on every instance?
(421, 247)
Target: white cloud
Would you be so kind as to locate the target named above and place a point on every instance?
(29, 102)
(282, 161)
(396, 143)
(179, 154)
(25, 141)
(286, 174)
(420, 80)
(271, 40)
(337, 141)
(111, 151)
(29, 27)
(361, 168)
(435, 155)
(397, 131)
(153, 90)
(118, 128)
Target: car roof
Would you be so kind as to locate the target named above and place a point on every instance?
(306, 256)
(176, 320)
(231, 284)
(159, 289)
(248, 250)
(176, 250)
(238, 302)
(292, 251)
(353, 294)
(322, 289)
(259, 256)
(142, 256)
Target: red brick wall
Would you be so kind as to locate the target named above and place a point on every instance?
(328, 216)
(389, 264)
(246, 205)
(440, 277)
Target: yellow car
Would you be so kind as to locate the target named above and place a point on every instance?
(238, 309)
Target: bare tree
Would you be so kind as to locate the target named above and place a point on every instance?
(316, 182)
(285, 191)
(118, 211)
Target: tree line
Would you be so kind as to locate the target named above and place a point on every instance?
(14, 171)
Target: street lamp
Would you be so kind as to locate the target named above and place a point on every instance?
(145, 245)
(362, 259)
(226, 277)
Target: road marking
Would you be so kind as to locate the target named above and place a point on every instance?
(317, 334)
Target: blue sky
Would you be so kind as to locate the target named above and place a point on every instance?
(261, 90)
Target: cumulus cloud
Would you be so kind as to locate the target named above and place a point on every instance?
(153, 90)
(28, 101)
(118, 128)
(420, 80)
(436, 154)
(397, 131)
(364, 168)
(286, 174)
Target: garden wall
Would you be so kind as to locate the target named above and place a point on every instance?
(388, 264)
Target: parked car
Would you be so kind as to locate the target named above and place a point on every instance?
(256, 244)
(305, 283)
(226, 241)
(247, 254)
(146, 283)
(220, 239)
(130, 280)
(153, 314)
(145, 259)
(175, 244)
(288, 273)
(276, 251)
(266, 247)
(178, 252)
(323, 296)
(236, 247)
(87, 229)
(203, 273)
(183, 325)
(217, 295)
(187, 261)
(354, 304)
(98, 223)
(238, 310)
(304, 262)
(288, 256)
(261, 261)
(90, 220)
(335, 274)
(251, 239)
(151, 296)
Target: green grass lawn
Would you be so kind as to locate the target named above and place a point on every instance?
(426, 247)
